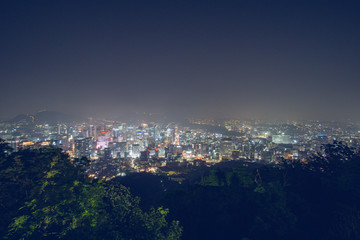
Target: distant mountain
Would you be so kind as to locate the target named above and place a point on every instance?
(21, 118)
(211, 128)
(53, 117)
(43, 117)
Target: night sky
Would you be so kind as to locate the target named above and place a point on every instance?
(276, 59)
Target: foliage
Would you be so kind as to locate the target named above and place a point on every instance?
(317, 199)
(232, 205)
(45, 196)
(125, 215)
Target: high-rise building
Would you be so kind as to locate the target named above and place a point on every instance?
(83, 147)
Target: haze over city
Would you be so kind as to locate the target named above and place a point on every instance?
(177, 119)
(265, 59)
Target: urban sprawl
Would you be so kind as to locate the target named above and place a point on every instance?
(112, 148)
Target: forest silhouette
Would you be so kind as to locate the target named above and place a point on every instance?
(45, 196)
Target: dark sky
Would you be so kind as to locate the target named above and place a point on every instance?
(278, 59)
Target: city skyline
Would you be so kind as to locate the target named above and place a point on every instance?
(240, 59)
(179, 119)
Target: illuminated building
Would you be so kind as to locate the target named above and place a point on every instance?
(226, 148)
(281, 139)
(83, 147)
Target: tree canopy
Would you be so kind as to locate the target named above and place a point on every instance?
(45, 196)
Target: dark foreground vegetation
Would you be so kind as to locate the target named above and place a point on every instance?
(43, 196)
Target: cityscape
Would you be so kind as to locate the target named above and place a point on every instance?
(179, 120)
(115, 148)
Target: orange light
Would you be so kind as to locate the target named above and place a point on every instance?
(27, 143)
